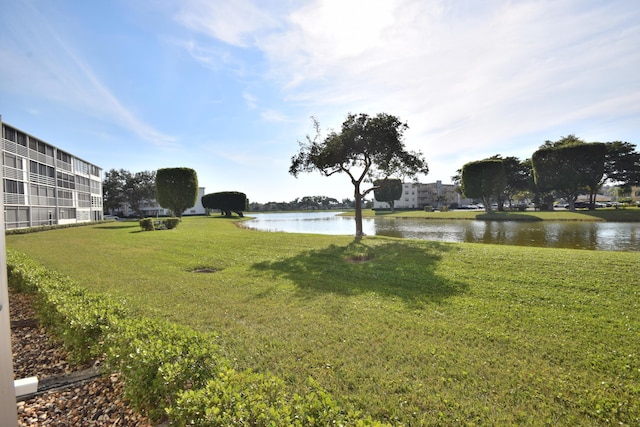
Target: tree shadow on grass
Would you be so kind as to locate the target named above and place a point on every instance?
(405, 270)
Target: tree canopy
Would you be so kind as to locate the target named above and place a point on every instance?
(484, 179)
(121, 187)
(176, 189)
(366, 149)
(622, 163)
(226, 202)
(568, 167)
(388, 190)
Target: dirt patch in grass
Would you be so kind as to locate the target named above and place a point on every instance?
(359, 258)
(205, 270)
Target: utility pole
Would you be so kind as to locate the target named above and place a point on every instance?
(8, 411)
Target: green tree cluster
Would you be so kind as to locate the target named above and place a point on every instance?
(564, 169)
(122, 188)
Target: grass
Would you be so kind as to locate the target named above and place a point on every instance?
(411, 332)
(612, 215)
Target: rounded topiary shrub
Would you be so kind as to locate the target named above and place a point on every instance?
(172, 223)
(147, 224)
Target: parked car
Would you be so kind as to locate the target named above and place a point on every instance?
(579, 205)
(110, 217)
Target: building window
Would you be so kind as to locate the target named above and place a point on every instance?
(9, 133)
(12, 161)
(81, 167)
(41, 169)
(66, 181)
(62, 156)
(13, 187)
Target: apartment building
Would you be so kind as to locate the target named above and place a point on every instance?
(44, 185)
(417, 196)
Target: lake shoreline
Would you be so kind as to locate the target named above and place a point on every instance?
(599, 215)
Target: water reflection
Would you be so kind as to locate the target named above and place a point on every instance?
(567, 234)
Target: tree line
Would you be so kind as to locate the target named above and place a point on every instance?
(175, 189)
(563, 169)
(121, 188)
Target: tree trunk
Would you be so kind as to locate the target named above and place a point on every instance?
(358, 197)
(487, 204)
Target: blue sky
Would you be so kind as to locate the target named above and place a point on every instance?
(228, 87)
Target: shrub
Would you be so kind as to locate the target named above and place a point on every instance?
(74, 316)
(250, 398)
(158, 360)
(147, 224)
(171, 223)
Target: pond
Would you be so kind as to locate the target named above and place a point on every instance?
(614, 236)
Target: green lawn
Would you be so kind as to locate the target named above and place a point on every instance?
(408, 331)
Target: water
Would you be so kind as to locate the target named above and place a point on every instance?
(613, 236)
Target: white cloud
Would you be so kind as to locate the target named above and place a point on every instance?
(235, 23)
(46, 65)
(252, 101)
(274, 116)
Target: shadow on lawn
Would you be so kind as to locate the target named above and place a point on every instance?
(391, 269)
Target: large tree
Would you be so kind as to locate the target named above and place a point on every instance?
(518, 174)
(113, 190)
(366, 149)
(122, 188)
(139, 188)
(388, 190)
(568, 167)
(176, 189)
(483, 179)
(621, 164)
(226, 202)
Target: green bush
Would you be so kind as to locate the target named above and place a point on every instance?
(171, 223)
(74, 316)
(248, 398)
(158, 360)
(38, 228)
(147, 224)
(151, 224)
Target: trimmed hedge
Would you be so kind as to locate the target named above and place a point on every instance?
(39, 228)
(150, 224)
(168, 370)
(147, 224)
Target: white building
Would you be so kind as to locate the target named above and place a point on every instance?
(417, 196)
(153, 209)
(408, 200)
(44, 185)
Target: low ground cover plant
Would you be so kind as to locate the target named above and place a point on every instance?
(405, 332)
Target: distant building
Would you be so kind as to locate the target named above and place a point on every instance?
(417, 196)
(44, 185)
(635, 195)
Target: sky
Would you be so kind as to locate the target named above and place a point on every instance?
(228, 87)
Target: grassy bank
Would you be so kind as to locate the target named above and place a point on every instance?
(611, 215)
(408, 331)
